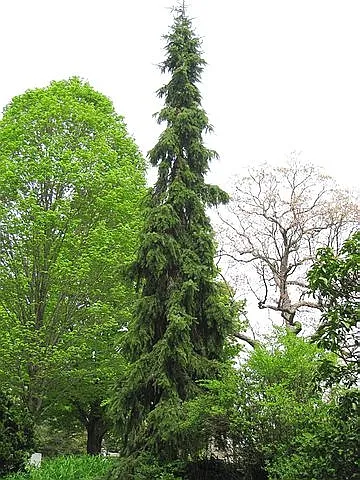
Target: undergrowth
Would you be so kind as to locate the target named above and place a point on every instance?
(72, 467)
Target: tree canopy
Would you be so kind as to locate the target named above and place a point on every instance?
(71, 186)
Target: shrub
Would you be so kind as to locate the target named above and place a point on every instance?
(16, 434)
(212, 469)
(328, 448)
(147, 467)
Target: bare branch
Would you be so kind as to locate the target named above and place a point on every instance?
(252, 342)
(274, 224)
(308, 304)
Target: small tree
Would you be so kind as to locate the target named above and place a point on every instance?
(184, 315)
(260, 413)
(271, 229)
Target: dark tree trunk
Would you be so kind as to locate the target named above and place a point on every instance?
(96, 428)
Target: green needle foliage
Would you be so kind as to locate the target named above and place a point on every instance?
(184, 315)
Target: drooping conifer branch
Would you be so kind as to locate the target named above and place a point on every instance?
(184, 314)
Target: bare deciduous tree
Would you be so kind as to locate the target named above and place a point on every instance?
(276, 220)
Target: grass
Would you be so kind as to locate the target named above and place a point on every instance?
(82, 467)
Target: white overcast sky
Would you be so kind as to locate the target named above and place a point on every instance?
(282, 75)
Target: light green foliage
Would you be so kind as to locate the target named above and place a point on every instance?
(255, 411)
(183, 317)
(284, 395)
(275, 419)
(327, 447)
(71, 184)
(67, 468)
(335, 278)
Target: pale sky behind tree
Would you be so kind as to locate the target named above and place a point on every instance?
(282, 75)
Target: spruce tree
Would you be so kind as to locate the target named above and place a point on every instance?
(184, 315)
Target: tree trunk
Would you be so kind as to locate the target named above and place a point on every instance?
(96, 428)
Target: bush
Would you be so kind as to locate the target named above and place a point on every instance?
(146, 467)
(328, 448)
(212, 470)
(16, 434)
(283, 421)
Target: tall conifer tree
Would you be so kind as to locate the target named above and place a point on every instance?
(183, 316)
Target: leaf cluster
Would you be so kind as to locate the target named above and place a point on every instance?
(335, 279)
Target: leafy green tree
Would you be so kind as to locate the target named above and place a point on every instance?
(183, 317)
(84, 370)
(71, 185)
(276, 418)
(254, 413)
(335, 279)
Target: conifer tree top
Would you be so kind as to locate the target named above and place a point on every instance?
(180, 146)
